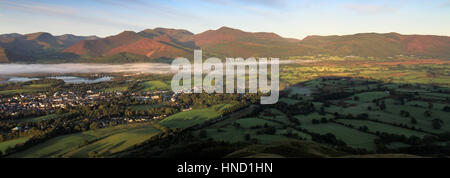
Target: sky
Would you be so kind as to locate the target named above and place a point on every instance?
(288, 18)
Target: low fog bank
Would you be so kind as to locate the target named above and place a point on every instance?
(153, 68)
(150, 68)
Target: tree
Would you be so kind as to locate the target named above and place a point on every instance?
(404, 113)
(437, 123)
(93, 154)
(363, 116)
(269, 131)
(413, 121)
(93, 126)
(247, 137)
(383, 105)
(364, 128)
(315, 121)
(414, 140)
(85, 142)
(427, 113)
(203, 134)
(446, 109)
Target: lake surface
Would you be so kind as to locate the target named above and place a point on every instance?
(67, 79)
(20, 79)
(78, 80)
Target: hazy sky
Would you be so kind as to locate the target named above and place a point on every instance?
(295, 18)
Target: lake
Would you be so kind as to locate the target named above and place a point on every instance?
(78, 80)
(66, 79)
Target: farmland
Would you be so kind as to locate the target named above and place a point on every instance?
(358, 107)
(108, 140)
(155, 85)
(193, 117)
(41, 118)
(357, 119)
(11, 143)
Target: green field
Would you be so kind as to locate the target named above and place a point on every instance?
(288, 100)
(155, 85)
(11, 143)
(233, 135)
(308, 118)
(19, 91)
(351, 137)
(374, 127)
(299, 91)
(116, 142)
(41, 118)
(193, 117)
(300, 134)
(108, 140)
(370, 96)
(279, 116)
(40, 85)
(253, 122)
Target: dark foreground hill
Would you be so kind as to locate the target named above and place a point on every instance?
(163, 43)
(302, 149)
(285, 149)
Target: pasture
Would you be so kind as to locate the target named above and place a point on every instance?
(12, 143)
(107, 140)
(379, 127)
(351, 137)
(155, 85)
(41, 118)
(193, 117)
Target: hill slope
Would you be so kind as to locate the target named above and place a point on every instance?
(287, 149)
(35, 46)
(237, 43)
(153, 44)
(232, 42)
(379, 45)
(3, 57)
(163, 43)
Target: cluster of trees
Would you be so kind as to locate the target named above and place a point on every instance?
(25, 114)
(207, 100)
(325, 95)
(328, 138)
(323, 120)
(446, 109)
(289, 134)
(295, 109)
(40, 137)
(158, 111)
(21, 85)
(425, 146)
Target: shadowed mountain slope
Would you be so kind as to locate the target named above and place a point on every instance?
(35, 46)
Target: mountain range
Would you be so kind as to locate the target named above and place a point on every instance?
(163, 43)
(35, 46)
